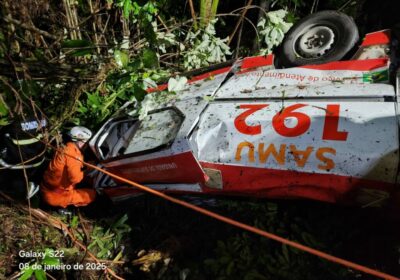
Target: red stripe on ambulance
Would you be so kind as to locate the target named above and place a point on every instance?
(274, 183)
(377, 38)
(257, 61)
(356, 65)
(182, 168)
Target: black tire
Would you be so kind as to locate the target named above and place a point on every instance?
(297, 50)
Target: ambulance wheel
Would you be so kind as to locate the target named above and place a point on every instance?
(319, 38)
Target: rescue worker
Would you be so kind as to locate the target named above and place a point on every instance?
(22, 153)
(58, 187)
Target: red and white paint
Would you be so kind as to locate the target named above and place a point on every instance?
(322, 132)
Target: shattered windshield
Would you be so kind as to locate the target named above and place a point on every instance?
(155, 130)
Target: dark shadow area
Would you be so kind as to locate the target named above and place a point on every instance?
(199, 245)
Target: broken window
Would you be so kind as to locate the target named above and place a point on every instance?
(155, 130)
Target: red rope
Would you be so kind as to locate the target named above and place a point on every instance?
(255, 230)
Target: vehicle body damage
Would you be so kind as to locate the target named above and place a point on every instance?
(328, 132)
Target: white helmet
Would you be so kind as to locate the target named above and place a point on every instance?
(80, 133)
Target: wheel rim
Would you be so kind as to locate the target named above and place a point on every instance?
(315, 42)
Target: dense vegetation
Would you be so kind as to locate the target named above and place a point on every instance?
(80, 61)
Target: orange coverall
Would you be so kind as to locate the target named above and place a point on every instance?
(61, 177)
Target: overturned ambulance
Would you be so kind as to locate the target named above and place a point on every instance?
(328, 132)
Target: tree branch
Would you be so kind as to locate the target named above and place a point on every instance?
(239, 21)
(30, 28)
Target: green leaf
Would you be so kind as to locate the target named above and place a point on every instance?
(121, 58)
(74, 222)
(127, 8)
(150, 8)
(136, 8)
(138, 92)
(93, 100)
(309, 239)
(100, 243)
(81, 108)
(4, 121)
(27, 273)
(103, 253)
(150, 59)
(48, 259)
(120, 221)
(39, 54)
(134, 65)
(230, 267)
(40, 274)
(30, 88)
(82, 52)
(149, 33)
(3, 108)
(51, 260)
